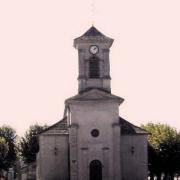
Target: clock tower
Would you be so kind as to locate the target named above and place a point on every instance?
(94, 68)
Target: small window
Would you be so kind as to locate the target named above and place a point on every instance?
(95, 132)
(94, 68)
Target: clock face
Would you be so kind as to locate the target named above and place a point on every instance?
(93, 49)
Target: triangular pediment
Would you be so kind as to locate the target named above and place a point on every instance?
(95, 95)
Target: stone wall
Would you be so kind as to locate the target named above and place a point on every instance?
(103, 56)
(99, 115)
(27, 172)
(134, 157)
(53, 157)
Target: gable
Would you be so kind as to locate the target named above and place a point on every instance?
(95, 94)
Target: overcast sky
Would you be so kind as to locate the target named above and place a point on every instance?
(39, 66)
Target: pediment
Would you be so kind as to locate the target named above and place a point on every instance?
(95, 95)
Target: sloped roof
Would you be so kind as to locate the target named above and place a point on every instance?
(61, 126)
(128, 128)
(93, 32)
(94, 95)
(93, 35)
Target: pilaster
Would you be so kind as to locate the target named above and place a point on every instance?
(116, 152)
(73, 152)
(85, 167)
(105, 174)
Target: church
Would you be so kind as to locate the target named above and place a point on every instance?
(92, 141)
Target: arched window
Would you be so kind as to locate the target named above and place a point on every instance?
(94, 70)
(95, 170)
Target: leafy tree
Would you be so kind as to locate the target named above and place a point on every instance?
(170, 156)
(4, 148)
(160, 134)
(154, 162)
(29, 144)
(8, 135)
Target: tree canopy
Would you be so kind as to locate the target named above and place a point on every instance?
(159, 133)
(29, 144)
(8, 144)
(163, 150)
(4, 148)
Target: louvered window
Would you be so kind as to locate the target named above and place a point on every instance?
(94, 68)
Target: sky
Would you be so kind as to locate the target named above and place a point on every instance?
(39, 65)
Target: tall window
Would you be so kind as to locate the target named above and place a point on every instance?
(94, 68)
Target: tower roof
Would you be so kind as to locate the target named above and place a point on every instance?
(93, 35)
(92, 31)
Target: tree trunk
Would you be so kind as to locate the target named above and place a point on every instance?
(168, 176)
(151, 176)
(171, 176)
(1, 174)
(159, 176)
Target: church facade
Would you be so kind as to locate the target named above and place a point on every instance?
(92, 142)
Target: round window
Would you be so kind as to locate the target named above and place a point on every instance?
(95, 132)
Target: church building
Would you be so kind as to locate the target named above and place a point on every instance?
(92, 142)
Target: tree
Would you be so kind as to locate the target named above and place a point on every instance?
(4, 148)
(9, 136)
(160, 134)
(29, 144)
(154, 162)
(170, 155)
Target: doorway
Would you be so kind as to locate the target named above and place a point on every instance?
(95, 170)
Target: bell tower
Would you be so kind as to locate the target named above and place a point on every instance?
(94, 67)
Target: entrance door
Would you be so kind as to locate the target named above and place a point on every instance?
(95, 170)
